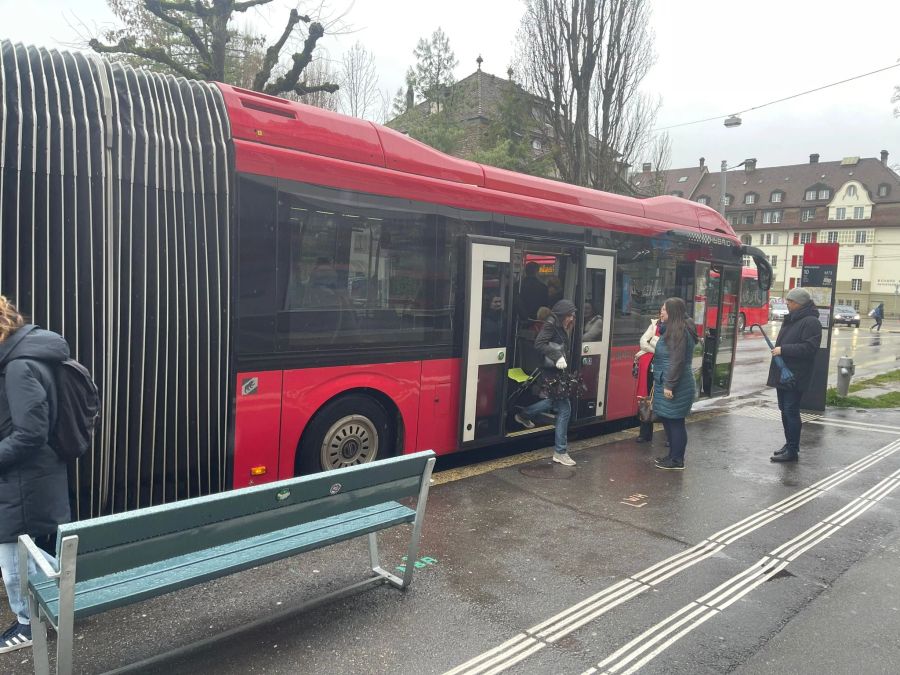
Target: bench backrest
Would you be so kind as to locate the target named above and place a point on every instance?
(126, 540)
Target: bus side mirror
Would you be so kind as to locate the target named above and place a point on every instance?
(764, 272)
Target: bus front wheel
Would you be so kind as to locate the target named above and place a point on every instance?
(742, 323)
(354, 429)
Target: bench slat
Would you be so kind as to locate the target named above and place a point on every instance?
(123, 588)
(112, 543)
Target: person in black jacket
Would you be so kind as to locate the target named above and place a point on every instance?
(554, 342)
(798, 343)
(34, 495)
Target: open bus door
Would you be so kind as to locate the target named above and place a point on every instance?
(716, 309)
(593, 365)
(488, 317)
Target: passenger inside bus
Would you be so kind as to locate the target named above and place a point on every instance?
(533, 293)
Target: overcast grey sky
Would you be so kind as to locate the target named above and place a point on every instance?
(713, 58)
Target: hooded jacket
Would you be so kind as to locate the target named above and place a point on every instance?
(799, 338)
(553, 341)
(34, 493)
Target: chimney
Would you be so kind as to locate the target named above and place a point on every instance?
(884, 156)
(750, 164)
(814, 158)
(647, 167)
(702, 162)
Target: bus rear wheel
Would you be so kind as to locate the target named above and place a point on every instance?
(742, 322)
(354, 429)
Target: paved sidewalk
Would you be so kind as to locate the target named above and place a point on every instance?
(523, 541)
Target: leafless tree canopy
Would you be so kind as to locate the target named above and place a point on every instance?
(359, 83)
(193, 38)
(587, 58)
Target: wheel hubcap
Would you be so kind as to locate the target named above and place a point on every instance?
(351, 440)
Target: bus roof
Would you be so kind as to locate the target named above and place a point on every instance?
(270, 121)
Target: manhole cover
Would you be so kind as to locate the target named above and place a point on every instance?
(551, 470)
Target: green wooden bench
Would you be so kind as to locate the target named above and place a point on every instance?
(117, 560)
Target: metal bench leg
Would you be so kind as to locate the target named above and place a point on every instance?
(38, 630)
(66, 624)
(412, 554)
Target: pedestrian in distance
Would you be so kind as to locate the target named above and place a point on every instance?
(644, 372)
(878, 315)
(34, 495)
(797, 344)
(672, 376)
(554, 342)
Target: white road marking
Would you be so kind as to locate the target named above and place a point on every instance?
(652, 642)
(570, 619)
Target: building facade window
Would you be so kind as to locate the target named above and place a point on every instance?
(733, 219)
(859, 261)
(746, 239)
(825, 194)
(771, 217)
(807, 238)
(856, 284)
(750, 198)
(810, 195)
(677, 193)
(883, 190)
(776, 197)
(832, 237)
(859, 212)
(728, 200)
(703, 200)
(747, 219)
(770, 238)
(861, 236)
(851, 191)
(840, 213)
(773, 260)
(807, 214)
(682, 179)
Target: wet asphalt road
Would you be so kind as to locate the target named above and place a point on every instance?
(736, 564)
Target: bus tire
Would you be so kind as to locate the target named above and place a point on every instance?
(353, 429)
(742, 322)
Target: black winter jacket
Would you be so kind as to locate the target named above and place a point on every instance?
(553, 341)
(34, 493)
(799, 339)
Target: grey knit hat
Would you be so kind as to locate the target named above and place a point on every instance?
(799, 295)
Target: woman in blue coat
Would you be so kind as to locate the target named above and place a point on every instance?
(673, 383)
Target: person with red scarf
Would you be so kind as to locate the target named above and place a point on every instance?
(642, 361)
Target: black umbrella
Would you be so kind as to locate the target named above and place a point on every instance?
(786, 377)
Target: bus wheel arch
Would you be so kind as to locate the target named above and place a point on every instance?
(355, 427)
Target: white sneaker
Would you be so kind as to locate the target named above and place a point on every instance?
(563, 458)
(524, 421)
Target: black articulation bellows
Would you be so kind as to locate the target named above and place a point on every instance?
(115, 232)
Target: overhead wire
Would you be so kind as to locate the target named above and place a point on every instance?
(780, 100)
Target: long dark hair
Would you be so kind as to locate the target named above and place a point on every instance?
(676, 324)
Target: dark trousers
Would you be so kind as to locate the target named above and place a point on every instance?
(646, 430)
(877, 324)
(789, 404)
(676, 434)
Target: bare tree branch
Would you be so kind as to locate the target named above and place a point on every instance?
(155, 7)
(247, 4)
(128, 46)
(289, 81)
(274, 51)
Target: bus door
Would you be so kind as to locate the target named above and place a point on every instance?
(715, 312)
(487, 324)
(595, 322)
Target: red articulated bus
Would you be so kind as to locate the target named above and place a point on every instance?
(263, 288)
(754, 300)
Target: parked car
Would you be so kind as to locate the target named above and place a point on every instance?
(846, 314)
(777, 310)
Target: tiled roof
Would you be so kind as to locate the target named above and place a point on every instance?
(793, 180)
(684, 181)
